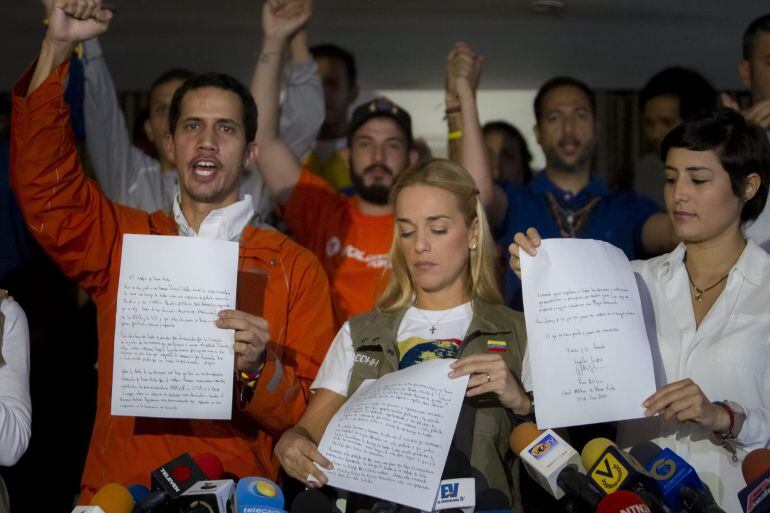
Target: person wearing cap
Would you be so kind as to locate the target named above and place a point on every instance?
(351, 236)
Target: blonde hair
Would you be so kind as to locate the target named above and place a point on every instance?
(400, 291)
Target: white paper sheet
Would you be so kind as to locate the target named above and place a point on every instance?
(391, 439)
(589, 354)
(170, 359)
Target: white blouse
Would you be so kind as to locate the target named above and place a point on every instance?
(15, 403)
(728, 356)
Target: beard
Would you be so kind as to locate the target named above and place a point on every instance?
(554, 160)
(375, 193)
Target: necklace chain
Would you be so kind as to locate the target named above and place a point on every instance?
(433, 324)
(699, 292)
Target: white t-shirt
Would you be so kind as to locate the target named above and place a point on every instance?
(422, 335)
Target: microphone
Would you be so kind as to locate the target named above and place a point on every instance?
(210, 465)
(612, 469)
(622, 501)
(112, 498)
(214, 496)
(169, 481)
(313, 501)
(456, 495)
(457, 489)
(676, 480)
(138, 492)
(259, 495)
(755, 498)
(553, 463)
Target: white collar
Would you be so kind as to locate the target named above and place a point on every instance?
(751, 264)
(223, 223)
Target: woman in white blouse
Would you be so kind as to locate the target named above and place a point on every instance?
(711, 301)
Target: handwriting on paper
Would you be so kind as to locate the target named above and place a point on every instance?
(587, 342)
(170, 358)
(391, 439)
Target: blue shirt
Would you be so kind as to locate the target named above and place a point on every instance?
(617, 218)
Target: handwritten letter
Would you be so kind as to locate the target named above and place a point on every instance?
(170, 359)
(392, 437)
(589, 354)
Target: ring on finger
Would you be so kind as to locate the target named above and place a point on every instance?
(489, 378)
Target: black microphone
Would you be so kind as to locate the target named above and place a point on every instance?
(169, 481)
(312, 501)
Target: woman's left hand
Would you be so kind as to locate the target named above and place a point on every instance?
(686, 401)
(489, 373)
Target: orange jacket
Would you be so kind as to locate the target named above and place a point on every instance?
(82, 231)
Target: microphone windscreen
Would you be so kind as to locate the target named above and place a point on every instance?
(645, 452)
(311, 501)
(593, 451)
(138, 492)
(114, 498)
(492, 499)
(211, 465)
(756, 463)
(523, 435)
(622, 501)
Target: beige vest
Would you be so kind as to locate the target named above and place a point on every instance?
(374, 338)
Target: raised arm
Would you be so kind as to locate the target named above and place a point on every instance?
(66, 212)
(302, 111)
(71, 21)
(466, 142)
(116, 160)
(279, 167)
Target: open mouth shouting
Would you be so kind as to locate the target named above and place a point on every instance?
(205, 169)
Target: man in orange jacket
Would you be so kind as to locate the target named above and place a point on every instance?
(213, 126)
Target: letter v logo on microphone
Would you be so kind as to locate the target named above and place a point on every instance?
(608, 473)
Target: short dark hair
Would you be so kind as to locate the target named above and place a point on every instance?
(220, 81)
(561, 81)
(761, 24)
(741, 147)
(513, 132)
(180, 74)
(695, 93)
(332, 51)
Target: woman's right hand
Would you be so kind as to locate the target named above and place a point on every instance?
(529, 242)
(298, 456)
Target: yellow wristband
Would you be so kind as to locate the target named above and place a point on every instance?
(457, 134)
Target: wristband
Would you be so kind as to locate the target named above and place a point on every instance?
(453, 110)
(457, 134)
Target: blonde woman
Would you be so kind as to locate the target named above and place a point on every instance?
(442, 301)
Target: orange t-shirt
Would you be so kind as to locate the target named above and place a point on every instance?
(352, 247)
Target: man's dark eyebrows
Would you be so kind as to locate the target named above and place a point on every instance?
(698, 168)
